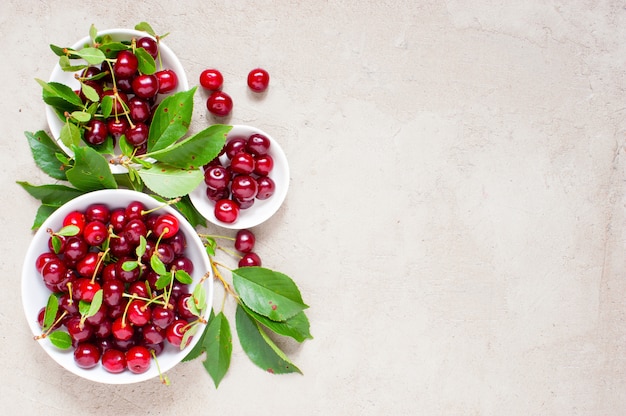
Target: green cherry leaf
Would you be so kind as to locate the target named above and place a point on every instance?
(141, 248)
(261, 350)
(69, 231)
(296, 327)
(90, 92)
(197, 300)
(93, 56)
(126, 148)
(183, 277)
(60, 339)
(199, 348)
(171, 120)
(88, 309)
(218, 343)
(157, 265)
(195, 151)
(190, 332)
(163, 281)
(60, 96)
(66, 64)
(43, 212)
(145, 27)
(45, 151)
(70, 134)
(93, 33)
(169, 181)
(50, 312)
(146, 64)
(106, 105)
(90, 171)
(267, 292)
(52, 194)
(189, 211)
(129, 265)
(81, 116)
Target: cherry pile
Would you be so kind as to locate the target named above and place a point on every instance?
(242, 179)
(134, 95)
(219, 102)
(112, 250)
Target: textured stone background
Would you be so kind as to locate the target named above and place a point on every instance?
(455, 216)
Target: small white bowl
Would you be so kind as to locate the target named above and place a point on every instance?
(169, 59)
(35, 294)
(262, 210)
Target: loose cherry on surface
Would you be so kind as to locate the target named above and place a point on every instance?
(244, 241)
(219, 103)
(250, 259)
(211, 79)
(258, 79)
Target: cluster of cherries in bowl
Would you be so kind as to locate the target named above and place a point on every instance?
(138, 317)
(135, 95)
(236, 181)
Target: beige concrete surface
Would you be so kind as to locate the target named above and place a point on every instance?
(456, 209)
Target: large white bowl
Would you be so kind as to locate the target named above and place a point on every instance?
(262, 210)
(35, 294)
(169, 59)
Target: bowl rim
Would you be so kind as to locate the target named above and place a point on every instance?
(52, 119)
(205, 207)
(112, 198)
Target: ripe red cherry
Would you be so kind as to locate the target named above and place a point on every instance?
(146, 86)
(120, 101)
(122, 329)
(139, 110)
(244, 241)
(244, 187)
(87, 289)
(86, 355)
(138, 359)
(175, 332)
(75, 249)
(86, 267)
(182, 307)
(249, 260)
(266, 186)
(97, 212)
(219, 103)
(114, 361)
(76, 218)
(216, 177)
(217, 194)
(44, 258)
(150, 45)
(226, 210)
(95, 233)
(258, 144)
(166, 225)
(134, 210)
(168, 80)
(258, 80)
(112, 292)
(117, 127)
(125, 65)
(234, 146)
(242, 162)
(162, 316)
(138, 313)
(211, 79)
(263, 165)
(96, 132)
(137, 135)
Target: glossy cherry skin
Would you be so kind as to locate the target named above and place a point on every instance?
(244, 187)
(146, 86)
(98, 212)
(114, 361)
(96, 132)
(76, 218)
(150, 45)
(242, 162)
(258, 144)
(266, 186)
(137, 135)
(234, 146)
(95, 233)
(166, 226)
(219, 103)
(138, 359)
(139, 110)
(211, 79)
(263, 165)
(249, 260)
(86, 355)
(125, 65)
(226, 210)
(258, 80)
(244, 241)
(175, 332)
(216, 177)
(168, 80)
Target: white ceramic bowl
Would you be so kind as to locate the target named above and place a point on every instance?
(169, 59)
(262, 210)
(35, 294)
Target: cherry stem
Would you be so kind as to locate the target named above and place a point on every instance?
(219, 276)
(167, 203)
